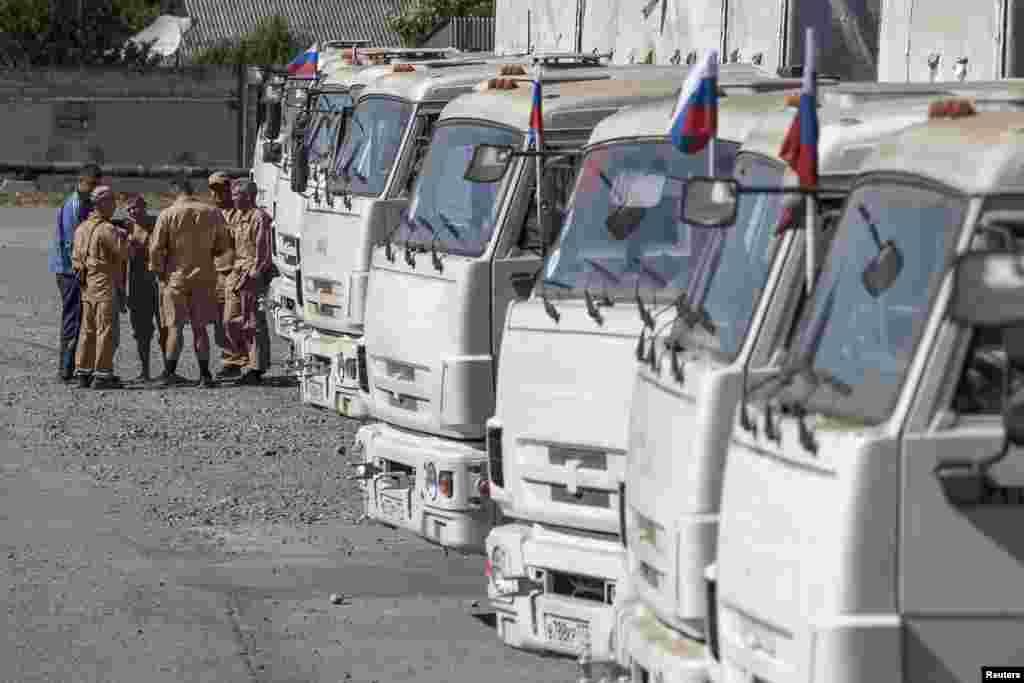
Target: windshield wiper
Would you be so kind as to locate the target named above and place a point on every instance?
(549, 307)
(403, 220)
(416, 223)
(449, 225)
(592, 306)
(801, 367)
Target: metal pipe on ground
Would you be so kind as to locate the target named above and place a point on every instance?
(118, 170)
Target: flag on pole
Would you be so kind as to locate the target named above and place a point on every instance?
(800, 146)
(535, 135)
(304, 65)
(695, 119)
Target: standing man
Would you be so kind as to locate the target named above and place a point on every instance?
(220, 191)
(143, 296)
(245, 321)
(98, 257)
(74, 210)
(187, 237)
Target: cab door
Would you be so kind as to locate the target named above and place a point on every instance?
(961, 567)
(517, 260)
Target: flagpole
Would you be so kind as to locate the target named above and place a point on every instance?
(811, 228)
(539, 166)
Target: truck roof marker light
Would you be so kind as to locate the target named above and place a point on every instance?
(953, 108)
(496, 84)
(403, 68)
(511, 70)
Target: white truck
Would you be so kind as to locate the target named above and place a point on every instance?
(332, 90)
(557, 443)
(365, 187)
(870, 507)
(686, 386)
(439, 288)
(374, 171)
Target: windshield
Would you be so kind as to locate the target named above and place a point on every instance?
(624, 226)
(865, 342)
(371, 144)
(460, 213)
(736, 268)
(327, 121)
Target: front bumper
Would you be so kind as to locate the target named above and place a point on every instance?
(286, 312)
(653, 652)
(398, 495)
(533, 611)
(329, 377)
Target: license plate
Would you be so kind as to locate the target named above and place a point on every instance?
(392, 509)
(566, 632)
(317, 387)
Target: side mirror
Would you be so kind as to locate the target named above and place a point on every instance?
(623, 221)
(988, 289)
(883, 270)
(710, 202)
(1013, 421)
(489, 163)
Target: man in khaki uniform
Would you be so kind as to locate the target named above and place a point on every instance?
(187, 237)
(98, 257)
(220, 192)
(245, 323)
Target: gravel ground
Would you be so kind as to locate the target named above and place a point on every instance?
(143, 526)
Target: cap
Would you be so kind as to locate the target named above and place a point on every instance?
(219, 178)
(245, 185)
(102, 192)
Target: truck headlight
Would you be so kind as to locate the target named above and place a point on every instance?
(430, 479)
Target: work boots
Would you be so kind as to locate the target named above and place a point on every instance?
(229, 372)
(205, 378)
(107, 382)
(251, 378)
(67, 363)
(143, 362)
(170, 378)
(84, 380)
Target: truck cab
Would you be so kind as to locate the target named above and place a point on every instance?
(364, 187)
(687, 382)
(557, 443)
(439, 287)
(314, 123)
(871, 493)
(368, 186)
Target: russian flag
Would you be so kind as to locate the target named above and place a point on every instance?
(695, 120)
(800, 146)
(304, 65)
(535, 135)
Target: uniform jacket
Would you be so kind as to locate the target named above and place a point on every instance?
(100, 253)
(187, 237)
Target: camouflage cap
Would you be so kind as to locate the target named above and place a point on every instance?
(102, 192)
(219, 178)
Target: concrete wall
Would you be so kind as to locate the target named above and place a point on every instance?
(118, 116)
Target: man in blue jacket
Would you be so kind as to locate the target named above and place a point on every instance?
(75, 209)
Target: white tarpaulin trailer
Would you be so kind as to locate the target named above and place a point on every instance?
(924, 40)
(765, 31)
